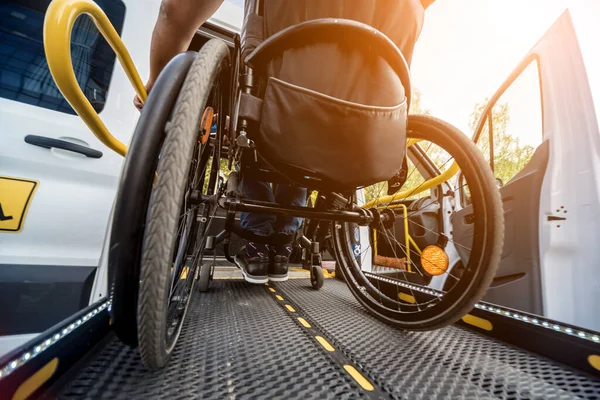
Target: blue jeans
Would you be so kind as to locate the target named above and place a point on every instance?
(267, 224)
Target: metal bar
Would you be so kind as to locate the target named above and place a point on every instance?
(406, 237)
(305, 242)
(361, 218)
(58, 23)
(232, 183)
(414, 244)
(433, 182)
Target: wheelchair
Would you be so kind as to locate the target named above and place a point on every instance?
(416, 257)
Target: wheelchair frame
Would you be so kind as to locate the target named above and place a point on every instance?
(338, 199)
(60, 18)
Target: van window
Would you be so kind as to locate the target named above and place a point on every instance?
(516, 125)
(24, 74)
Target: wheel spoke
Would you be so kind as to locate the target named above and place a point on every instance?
(383, 290)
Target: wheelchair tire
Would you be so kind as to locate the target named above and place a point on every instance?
(317, 277)
(157, 337)
(204, 277)
(439, 308)
(135, 186)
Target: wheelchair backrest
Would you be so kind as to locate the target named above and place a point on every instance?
(340, 105)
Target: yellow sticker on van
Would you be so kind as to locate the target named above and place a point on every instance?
(16, 195)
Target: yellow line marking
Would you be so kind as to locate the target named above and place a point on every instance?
(272, 290)
(304, 322)
(228, 278)
(324, 343)
(359, 378)
(266, 283)
(478, 322)
(298, 269)
(594, 361)
(407, 298)
(328, 274)
(35, 381)
(279, 297)
(290, 308)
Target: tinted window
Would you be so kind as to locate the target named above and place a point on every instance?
(24, 74)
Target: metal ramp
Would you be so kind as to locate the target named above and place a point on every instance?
(286, 340)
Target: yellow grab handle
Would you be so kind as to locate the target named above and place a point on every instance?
(433, 182)
(58, 24)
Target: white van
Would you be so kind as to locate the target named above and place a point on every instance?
(57, 180)
(551, 197)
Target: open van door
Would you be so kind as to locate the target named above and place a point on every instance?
(540, 134)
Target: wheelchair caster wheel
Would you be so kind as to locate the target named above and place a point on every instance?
(316, 277)
(204, 277)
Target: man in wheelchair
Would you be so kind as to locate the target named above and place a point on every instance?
(400, 20)
(317, 92)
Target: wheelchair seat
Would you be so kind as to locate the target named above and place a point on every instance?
(328, 102)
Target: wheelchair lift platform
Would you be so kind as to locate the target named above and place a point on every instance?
(286, 340)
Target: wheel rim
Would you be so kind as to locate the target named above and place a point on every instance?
(389, 291)
(194, 222)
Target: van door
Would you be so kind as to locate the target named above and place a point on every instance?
(57, 181)
(540, 135)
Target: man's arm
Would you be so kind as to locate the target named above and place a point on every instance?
(175, 27)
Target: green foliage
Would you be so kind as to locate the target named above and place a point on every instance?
(415, 103)
(223, 169)
(510, 156)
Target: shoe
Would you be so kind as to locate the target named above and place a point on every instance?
(254, 269)
(278, 269)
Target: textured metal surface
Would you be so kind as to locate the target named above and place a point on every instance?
(236, 343)
(451, 363)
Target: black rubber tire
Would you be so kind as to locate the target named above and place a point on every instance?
(166, 203)
(133, 196)
(490, 219)
(317, 278)
(204, 277)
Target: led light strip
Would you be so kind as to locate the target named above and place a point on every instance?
(538, 321)
(416, 288)
(47, 343)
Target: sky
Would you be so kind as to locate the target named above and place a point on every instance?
(467, 49)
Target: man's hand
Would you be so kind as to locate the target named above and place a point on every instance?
(175, 27)
(137, 102)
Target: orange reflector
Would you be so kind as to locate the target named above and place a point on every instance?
(206, 123)
(434, 260)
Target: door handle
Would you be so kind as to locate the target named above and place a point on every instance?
(49, 143)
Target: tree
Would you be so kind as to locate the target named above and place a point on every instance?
(510, 156)
(415, 103)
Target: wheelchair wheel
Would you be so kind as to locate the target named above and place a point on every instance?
(204, 277)
(316, 277)
(430, 271)
(133, 196)
(166, 283)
